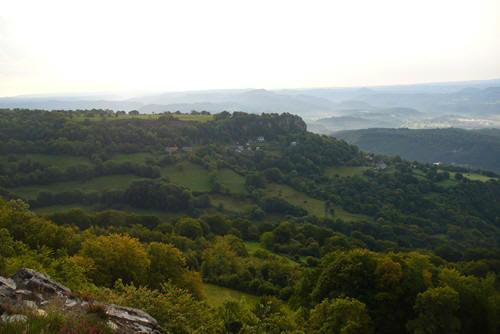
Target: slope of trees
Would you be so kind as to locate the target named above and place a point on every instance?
(478, 149)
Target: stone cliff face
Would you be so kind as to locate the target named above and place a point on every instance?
(35, 292)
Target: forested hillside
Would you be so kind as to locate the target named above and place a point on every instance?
(182, 214)
(479, 149)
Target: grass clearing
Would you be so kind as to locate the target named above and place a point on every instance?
(346, 171)
(348, 216)
(419, 174)
(254, 246)
(197, 178)
(478, 177)
(189, 175)
(194, 118)
(111, 182)
(231, 180)
(470, 176)
(218, 295)
(312, 205)
(133, 157)
(231, 203)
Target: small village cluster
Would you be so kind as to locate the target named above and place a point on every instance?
(238, 148)
(174, 148)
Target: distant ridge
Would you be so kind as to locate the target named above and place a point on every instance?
(478, 149)
(469, 104)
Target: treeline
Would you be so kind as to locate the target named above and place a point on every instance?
(63, 132)
(146, 194)
(20, 172)
(471, 148)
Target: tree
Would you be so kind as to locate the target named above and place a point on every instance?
(175, 309)
(340, 316)
(6, 247)
(167, 263)
(346, 274)
(220, 259)
(267, 240)
(218, 224)
(436, 309)
(116, 257)
(236, 315)
(6, 243)
(389, 273)
(479, 301)
(272, 316)
(190, 228)
(255, 180)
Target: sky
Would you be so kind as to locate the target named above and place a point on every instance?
(116, 46)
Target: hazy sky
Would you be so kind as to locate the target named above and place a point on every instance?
(82, 46)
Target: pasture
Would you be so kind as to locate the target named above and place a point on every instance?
(111, 182)
(217, 295)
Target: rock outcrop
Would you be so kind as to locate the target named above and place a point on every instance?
(31, 290)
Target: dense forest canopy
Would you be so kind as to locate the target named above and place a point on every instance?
(132, 208)
(469, 148)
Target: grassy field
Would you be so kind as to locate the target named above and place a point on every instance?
(217, 295)
(195, 118)
(231, 203)
(478, 177)
(234, 182)
(348, 216)
(254, 246)
(133, 157)
(112, 182)
(471, 176)
(419, 174)
(61, 161)
(197, 178)
(345, 171)
(451, 182)
(189, 175)
(312, 205)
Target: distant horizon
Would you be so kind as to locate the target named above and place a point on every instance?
(139, 93)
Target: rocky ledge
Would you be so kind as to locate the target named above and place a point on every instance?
(33, 291)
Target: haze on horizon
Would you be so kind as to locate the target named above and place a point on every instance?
(88, 46)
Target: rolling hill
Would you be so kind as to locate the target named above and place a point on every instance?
(470, 148)
(471, 104)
